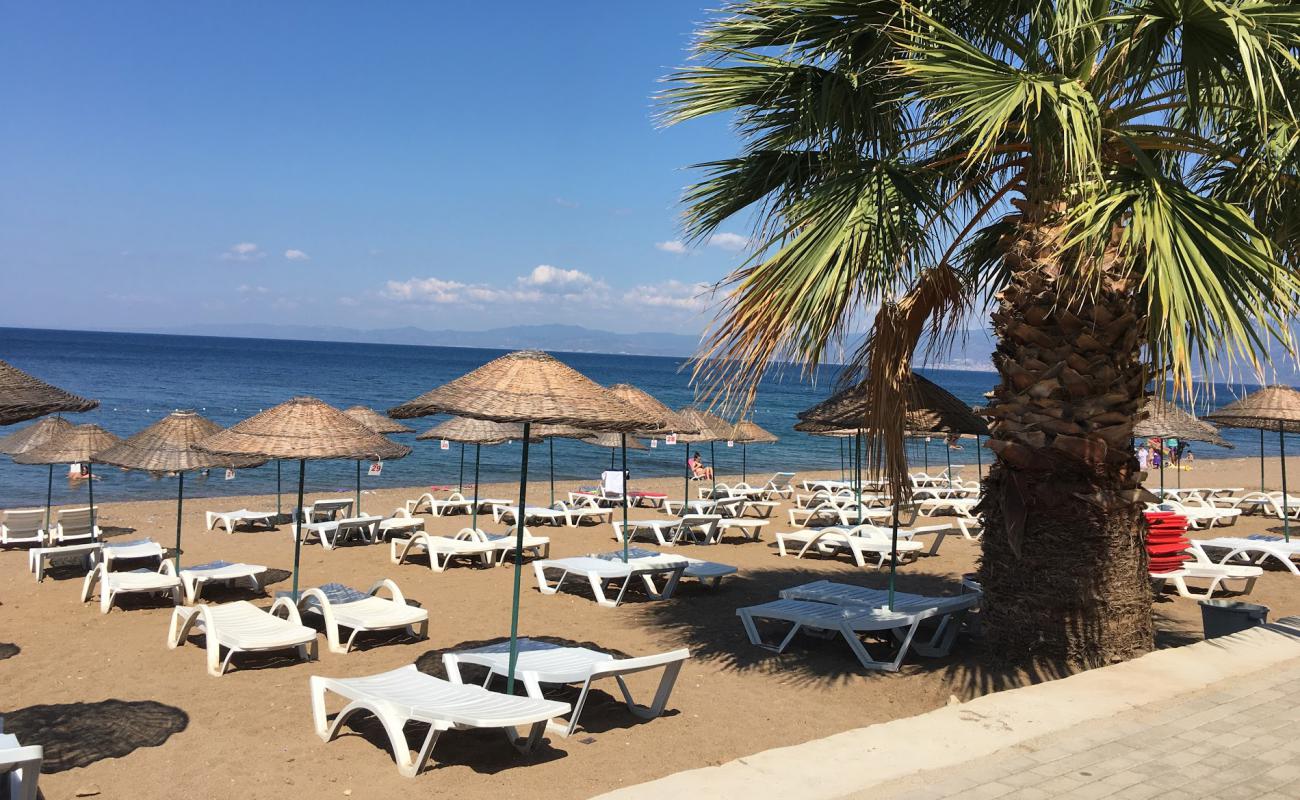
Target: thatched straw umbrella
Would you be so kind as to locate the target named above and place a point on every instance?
(23, 397)
(1271, 408)
(526, 387)
(1160, 419)
(76, 445)
(32, 437)
(167, 446)
(304, 429)
(708, 428)
(747, 432)
(930, 409)
(379, 424)
(477, 432)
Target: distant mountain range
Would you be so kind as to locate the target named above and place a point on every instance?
(566, 338)
(970, 352)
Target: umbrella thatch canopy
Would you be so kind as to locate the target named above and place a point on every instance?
(474, 431)
(79, 444)
(707, 427)
(1164, 420)
(1271, 408)
(168, 446)
(34, 435)
(23, 397)
(930, 409)
(303, 428)
(747, 432)
(539, 432)
(652, 409)
(527, 386)
(612, 440)
(375, 421)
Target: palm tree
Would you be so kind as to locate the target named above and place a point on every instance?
(1115, 181)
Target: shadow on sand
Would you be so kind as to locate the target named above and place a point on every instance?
(79, 734)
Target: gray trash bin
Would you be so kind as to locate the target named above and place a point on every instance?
(1224, 617)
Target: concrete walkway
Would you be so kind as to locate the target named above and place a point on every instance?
(1212, 719)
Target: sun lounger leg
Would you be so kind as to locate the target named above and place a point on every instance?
(666, 683)
(526, 745)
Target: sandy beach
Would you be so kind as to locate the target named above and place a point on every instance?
(119, 713)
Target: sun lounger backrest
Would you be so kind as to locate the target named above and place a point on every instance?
(74, 520)
(24, 520)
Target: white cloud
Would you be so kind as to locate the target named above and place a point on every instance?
(296, 255)
(244, 251)
(676, 246)
(424, 290)
(246, 289)
(564, 202)
(348, 302)
(671, 294)
(547, 277)
(729, 241)
(544, 283)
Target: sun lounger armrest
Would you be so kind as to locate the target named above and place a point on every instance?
(167, 567)
(627, 666)
(285, 607)
(393, 592)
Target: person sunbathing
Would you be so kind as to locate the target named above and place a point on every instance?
(699, 469)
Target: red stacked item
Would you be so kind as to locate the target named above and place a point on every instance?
(1166, 541)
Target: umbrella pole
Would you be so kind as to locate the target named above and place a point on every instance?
(358, 504)
(857, 477)
(840, 439)
(947, 451)
(90, 486)
(49, 498)
(460, 482)
(979, 462)
(713, 462)
(519, 562)
(1162, 469)
(626, 481)
(277, 489)
(551, 446)
(893, 555)
(744, 462)
(474, 510)
(180, 498)
(686, 482)
(611, 459)
(927, 455)
(297, 527)
(1286, 513)
(1261, 460)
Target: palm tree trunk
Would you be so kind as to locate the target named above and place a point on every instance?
(1064, 565)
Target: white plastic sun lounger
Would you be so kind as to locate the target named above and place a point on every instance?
(600, 572)
(504, 543)
(1202, 568)
(402, 523)
(852, 619)
(233, 519)
(332, 533)
(363, 612)
(20, 767)
(708, 573)
(669, 532)
(327, 509)
(194, 578)
(72, 526)
(40, 558)
(780, 484)
(861, 541)
(23, 526)
(542, 514)
(130, 551)
(242, 627)
(1203, 516)
(1253, 549)
(438, 508)
(542, 662)
(112, 585)
(405, 695)
(441, 550)
(576, 515)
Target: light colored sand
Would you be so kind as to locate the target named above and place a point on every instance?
(249, 734)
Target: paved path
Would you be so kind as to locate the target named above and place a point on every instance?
(1235, 739)
(1212, 719)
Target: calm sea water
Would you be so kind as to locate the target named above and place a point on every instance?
(139, 378)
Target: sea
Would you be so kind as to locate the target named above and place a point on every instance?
(139, 378)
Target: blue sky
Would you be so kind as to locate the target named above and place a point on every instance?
(366, 165)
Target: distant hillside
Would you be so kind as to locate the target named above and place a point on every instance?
(567, 338)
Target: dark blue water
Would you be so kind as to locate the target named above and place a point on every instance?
(139, 378)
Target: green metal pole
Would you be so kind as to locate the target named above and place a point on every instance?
(744, 462)
(473, 523)
(90, 486)
(49, 499)
(947, 452)
(713, 464)
(519, 562)
(551, 446)
(927, 455)
(686, 482)
(358, 503)
(979, 463)
(1261, 459)
(277, 490)
(460, 482)
(623, 439)
(857, 471)
(840, 439)
(893, 554)
(1162, 468)
(297, 526)
(1286, 514)
(180, 498)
